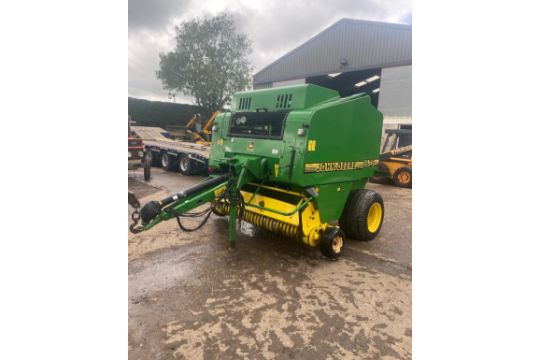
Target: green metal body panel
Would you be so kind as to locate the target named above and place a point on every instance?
(295, 97)
(327, 142)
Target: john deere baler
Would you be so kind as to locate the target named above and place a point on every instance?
(293, 160)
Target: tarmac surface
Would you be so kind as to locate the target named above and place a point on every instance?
(271, 298)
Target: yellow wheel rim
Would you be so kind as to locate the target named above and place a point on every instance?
(374, 217)
(337, 244)
(404, 178)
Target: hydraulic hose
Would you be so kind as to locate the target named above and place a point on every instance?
(224, 196)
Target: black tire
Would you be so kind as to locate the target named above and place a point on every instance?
(147, 167)
(382, 176)
(331, 243)
(403, 177)
(185, 165)
(167, 161)
(356, 221)
(154, 158)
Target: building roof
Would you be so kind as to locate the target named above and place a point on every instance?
(347, 45)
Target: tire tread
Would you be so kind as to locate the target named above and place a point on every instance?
(396, 174)
(353, 220)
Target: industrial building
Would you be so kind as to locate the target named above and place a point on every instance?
(353, 56)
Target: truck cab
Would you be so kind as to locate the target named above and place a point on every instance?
(136, 155)
(135, 152)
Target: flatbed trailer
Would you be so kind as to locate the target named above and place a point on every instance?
(171, 154)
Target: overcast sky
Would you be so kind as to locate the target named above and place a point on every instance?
(274, 26)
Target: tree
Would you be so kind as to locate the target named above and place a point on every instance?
(209, 62)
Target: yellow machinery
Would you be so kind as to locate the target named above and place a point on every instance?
(395, 162)
(203, 136)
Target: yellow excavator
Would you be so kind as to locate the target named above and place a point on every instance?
(201, 134)
(395, 161)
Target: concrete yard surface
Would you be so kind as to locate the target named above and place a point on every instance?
(271, 298)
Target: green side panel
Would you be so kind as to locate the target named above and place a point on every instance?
(349, 131)
(331, 200)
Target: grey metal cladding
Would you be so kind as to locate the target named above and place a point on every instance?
(364, 44)
(262, 86)
(395, 96)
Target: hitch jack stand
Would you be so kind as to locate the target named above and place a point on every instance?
(232, 218)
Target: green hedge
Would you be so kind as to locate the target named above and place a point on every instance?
(157, 113)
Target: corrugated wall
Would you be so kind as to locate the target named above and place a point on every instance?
(363, 44)
(395, 95)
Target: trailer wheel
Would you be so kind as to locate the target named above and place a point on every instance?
(403, 177)
(147, 165)
(154, 157)
(363, 215)
(167, 161)
(331, 243)
(185, 165)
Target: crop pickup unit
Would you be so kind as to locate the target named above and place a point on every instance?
(292, 160)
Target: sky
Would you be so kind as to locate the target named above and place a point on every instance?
(275, 27)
